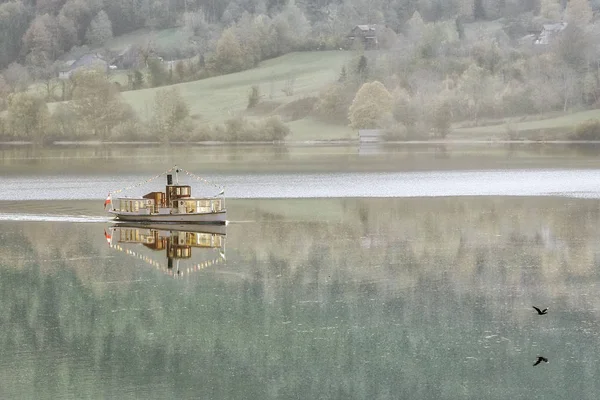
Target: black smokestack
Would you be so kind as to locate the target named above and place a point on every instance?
(169, 179)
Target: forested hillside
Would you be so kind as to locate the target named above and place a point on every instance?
(434, 62)
(35, 32)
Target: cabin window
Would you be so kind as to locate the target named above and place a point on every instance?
(190, 207)
(205, 240)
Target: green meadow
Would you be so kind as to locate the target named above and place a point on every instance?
(540, 128)
(220, 98)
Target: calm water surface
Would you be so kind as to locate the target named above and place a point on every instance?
(343, 297)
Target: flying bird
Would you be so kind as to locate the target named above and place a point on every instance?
(540, 359)
(541, 312)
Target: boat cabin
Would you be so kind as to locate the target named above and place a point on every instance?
(176, 199)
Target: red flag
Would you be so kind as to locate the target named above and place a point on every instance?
(107, 201)
(108, 237)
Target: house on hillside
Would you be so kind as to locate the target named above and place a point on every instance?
(367, 34)
(549, 33)
(129, 58)
(88, 61)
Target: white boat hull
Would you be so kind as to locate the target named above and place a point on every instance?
(196, 218)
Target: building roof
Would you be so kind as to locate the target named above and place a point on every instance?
(366, 27)
(557, 27)
(87, 60)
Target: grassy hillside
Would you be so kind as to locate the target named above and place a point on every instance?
(219, 98)
(563, 123)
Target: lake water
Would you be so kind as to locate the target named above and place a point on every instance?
(339, 276)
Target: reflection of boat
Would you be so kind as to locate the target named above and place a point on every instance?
(175, 204)
(220, 229)
(175, 240)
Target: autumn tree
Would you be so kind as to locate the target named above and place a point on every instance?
(479, 11)
(253, 96)
(135, 79)
(441, 117)
(195, 21)
(229, 57)
(28, 116)
(290, 28)
(404, 109)
(465, 9)
(81, 12)
(14, 21)
(127, 15)
(41, 41)
(415, 27)
(181, 71)
(334, 102)
(97, 102)
(157, 73)
(48, 75)
(574, 47)
(17, 77)
(579, 12)
(51, 7)
(5, 91)
(472, 87)
(550, 9)
(170, 111)
(249, 37)
(100, 30)
(370, 105)
(262, 35)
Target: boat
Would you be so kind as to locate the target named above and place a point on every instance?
(174, 205)
(175, 243)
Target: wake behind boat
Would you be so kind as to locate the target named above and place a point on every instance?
(175, 204)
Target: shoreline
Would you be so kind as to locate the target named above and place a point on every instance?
(291, 143)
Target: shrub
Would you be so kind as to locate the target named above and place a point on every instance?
(203, 132)
(395, 132)
(334, 102)
(275, 129)
(130, 130)
(587, 130)
(296, 109)
(442, 118)
(243, 129)
(253, 96)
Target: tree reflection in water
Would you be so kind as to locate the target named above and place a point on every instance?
(354, 298)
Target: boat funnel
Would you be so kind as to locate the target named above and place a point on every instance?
(169, 179)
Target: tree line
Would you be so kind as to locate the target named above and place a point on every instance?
(97, 112)
(435, 75)
(432, 67)
(36, 33)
